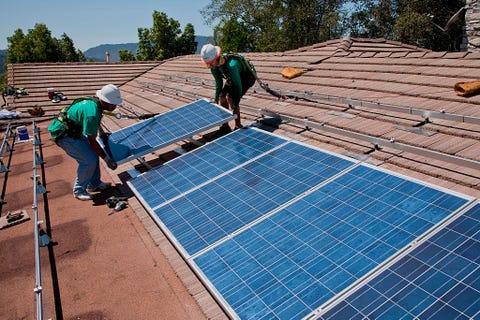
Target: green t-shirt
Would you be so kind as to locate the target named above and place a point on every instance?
(240, 78)
(85, 115)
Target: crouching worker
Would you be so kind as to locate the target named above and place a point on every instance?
(75, 131)
(239, 75)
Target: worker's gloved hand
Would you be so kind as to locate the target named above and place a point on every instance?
(104, 135)
(111, 163)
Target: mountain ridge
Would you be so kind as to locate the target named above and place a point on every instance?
(98, 53)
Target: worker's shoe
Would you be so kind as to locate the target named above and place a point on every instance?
(83, 195)
(102, 186)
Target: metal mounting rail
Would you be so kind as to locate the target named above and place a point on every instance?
(6, 168)
(175, 92)
(36, 231)
(352, 103)
(375, 141)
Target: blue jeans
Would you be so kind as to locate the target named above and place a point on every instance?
(88, 171)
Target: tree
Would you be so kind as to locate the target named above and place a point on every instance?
(408, 21)
(44, 47)
(373, 18)
(165, 39)
(269, 25)
(39, 46)
(414, 24)
(145, 50)
(126, 55)
(67, 51)
(186, 43)
(18, 50)
(233, 36)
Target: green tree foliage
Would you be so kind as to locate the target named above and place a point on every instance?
(165, 39)
(414, 24)
(234, 36)
(145, 49)
(408, 21)
(38, 45)
(373, 18)
(67, 51)
(269, 25)
(186, 42)
(126, 55)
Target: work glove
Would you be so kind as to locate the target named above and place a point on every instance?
(111, 163)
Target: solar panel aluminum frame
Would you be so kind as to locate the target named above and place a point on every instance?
(218, 296)
(177, 138)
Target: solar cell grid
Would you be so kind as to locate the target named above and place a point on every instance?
(248, 193)
(164, 129)
(327, 257)
(200, 165)
(438, 279)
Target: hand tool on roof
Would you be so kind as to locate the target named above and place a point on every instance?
(118, 207)
(113, 200)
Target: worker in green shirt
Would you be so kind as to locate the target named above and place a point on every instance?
(238, 76)
(75, 131)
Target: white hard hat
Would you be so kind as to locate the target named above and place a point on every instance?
(110, 93)
(210, 52)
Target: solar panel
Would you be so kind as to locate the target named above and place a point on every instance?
(438, 279)
(165, 129)
(230, 202)
(200, 165)
(277, 234)
(291, 263)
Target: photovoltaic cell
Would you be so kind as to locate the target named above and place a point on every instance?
(201, 165)
(165, 129)
(276, 228)
(291, 263)
(232, 201)
(440, 279)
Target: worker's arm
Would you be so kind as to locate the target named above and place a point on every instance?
(92, 141)
(234, 68)
(218, 83)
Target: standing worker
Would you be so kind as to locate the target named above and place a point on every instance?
(75, 131)
(238, 75)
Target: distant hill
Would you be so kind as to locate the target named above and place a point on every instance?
(98, 53)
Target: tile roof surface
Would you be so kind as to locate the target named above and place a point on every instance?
(383, 101)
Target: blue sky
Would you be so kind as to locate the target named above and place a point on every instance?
(94, 22)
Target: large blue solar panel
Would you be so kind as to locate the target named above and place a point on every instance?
(291, 263)
(178, 176)
(227, 204)
(276, 229)
(439, 279)
(165, 129)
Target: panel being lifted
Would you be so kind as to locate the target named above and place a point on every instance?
(165, 129)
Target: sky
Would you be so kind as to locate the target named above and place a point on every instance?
(90, 23)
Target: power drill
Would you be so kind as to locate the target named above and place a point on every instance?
(112, 201)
